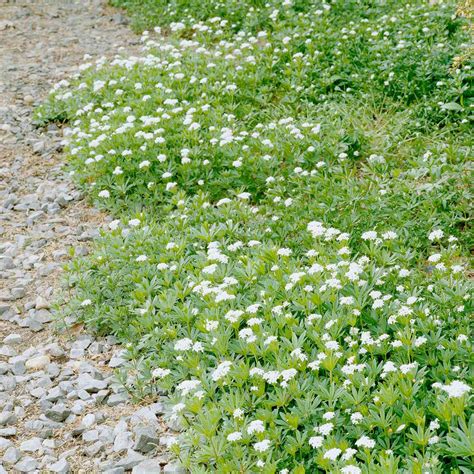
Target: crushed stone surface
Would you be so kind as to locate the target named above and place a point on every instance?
(61, 407)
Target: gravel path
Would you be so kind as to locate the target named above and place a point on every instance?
(61, 410)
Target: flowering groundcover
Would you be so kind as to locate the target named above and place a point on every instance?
(289, 256)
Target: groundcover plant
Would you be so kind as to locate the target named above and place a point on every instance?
(289, 256)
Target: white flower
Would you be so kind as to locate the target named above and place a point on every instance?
(365, 442)
(160, 373)
(356, 418)
(288, 374)
(211, 325)
(252, 309)
(104, 194)
(455, 389)
(316, 441)
(329, 415)
(221, 371)
(405, 368)
(235, 436)
(86, 303)
(256, 426)
(434, 425)
(134, 222)
(325, 429)
(187, 386)
(348, 454)
(350, 469)
(183, 344)
(233, 315)
(262, 446)
(178, 407)
(435, 235)
(141, 258)
(419, 341)
(210, 269)
(332, 454)
(346, 300)
(332, 345)
(114, 224)
(248, 335)
(316, 229)
(270, 377)
(390, 235)
(436, 257)
(370, 235)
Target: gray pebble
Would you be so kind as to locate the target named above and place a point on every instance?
(31, 445)
(173, 468)
(61, 467)
(12, 455)
(58, 413)
(146, 438)
(149, 466)
(27, 464)
(7, 418)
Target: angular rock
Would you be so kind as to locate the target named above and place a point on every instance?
(37, 363)
(13, 339)
(31, 445)
(173, 468)
(117, 399)
(61, 467)
(149, 466)
(7, 418)
(122, 441)
(58, 413)
(130, 461)
(27, 464)
(146, 438)
(89, 384)
(5, 443)
(12, 455)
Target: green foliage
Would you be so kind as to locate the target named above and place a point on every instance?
(291, 186)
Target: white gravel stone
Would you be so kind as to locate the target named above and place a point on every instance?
(37, 363)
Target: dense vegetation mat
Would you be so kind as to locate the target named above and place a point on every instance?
(290, 255)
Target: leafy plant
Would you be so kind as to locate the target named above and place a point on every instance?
(290, 183)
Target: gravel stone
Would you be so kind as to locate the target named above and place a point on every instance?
(32, 445)
(146, 439)
(149, 466)
(131, 460)
(48, 381)
(123, 441)
(37, 363)
(61, 467)
(12, 455)
(174, 469)
(26, 464)
(5, 443)
(58, 413)
(7, 418)
(117, 399)
(13, 339)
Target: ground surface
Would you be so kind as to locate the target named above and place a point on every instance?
(61, 409)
